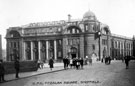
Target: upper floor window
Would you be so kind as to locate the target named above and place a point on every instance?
(73, 30)
(15, 34)
(77, 31)
(93, 47)
(104, 41)
(115, 44)
(86, 27)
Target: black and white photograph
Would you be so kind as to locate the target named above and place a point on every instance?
(67, 42)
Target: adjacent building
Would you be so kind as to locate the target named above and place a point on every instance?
(0, 47)
(75, 38)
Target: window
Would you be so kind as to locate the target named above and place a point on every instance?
(104, 41)
(73, 30)
(74, 41)
(59, 54)
(93, 47)
(60, 42)
(9, 44)
(77, 31)
(86, 27)
(116, 44)
(68, 31)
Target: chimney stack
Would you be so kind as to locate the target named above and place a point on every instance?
(69, 17)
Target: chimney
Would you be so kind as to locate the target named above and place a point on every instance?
(69, 17)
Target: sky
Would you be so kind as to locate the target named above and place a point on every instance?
(119, 15)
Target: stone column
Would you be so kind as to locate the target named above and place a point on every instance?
(108, 45)
(24, 52)
(39, 50)
(32, 58)
(55, 50)
(47, 50)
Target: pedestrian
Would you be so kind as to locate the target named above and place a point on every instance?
(64, 62)
(103, 59)
(122, 59)
(106, 60)
(17, 67)
(67, 62)
(42, 64)
(77, 63)
(127, 59)
(74, 62)
(109, 60)
(90, 61)
(86, 60)
(51, 62)
(81, 63)
(2, 71)
(71, 62)
(39, 64)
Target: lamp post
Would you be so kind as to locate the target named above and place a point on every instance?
(99, 34)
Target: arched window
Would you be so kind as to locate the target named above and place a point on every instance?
(14, 34)
(73, 30)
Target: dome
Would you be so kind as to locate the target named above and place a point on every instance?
(89, 16)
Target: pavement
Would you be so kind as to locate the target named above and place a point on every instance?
(109, 75)
(45, 70)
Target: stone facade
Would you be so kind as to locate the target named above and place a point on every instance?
(57, 39)
(0, 48)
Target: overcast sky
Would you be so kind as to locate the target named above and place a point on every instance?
(119, 15)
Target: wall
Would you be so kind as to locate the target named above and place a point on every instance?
(1, 47)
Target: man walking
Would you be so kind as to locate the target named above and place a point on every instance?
(81, 63)
(17, 67)
(64, 62)
(127, 59)
(51, 62)
(2, 71)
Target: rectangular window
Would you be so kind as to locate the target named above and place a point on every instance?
(71, 41)
(86, 27)
(77, 31)
(104, 41)
(59, 54)
(73, 30)
(14, 44)
(116, 44)
(93, 46)
(9, 44)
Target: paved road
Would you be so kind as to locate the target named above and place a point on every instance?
(98, 74)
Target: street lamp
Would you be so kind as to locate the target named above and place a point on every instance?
(99, 34)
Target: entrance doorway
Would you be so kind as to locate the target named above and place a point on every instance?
(73, 55)
(73, 52)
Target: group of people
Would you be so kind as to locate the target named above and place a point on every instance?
(88, 60)
(73, 62)
(125, 59)
(40, 64)
(68, 62)
(2, 69)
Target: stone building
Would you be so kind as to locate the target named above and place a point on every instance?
(75, 38)
(0, 47)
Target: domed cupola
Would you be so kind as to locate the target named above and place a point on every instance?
(89, 16)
